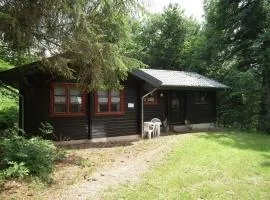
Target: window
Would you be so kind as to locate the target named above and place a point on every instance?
(151, 99)
(66, 99)
(109, 102)
(200, 98)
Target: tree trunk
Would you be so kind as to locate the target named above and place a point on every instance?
(264, 123)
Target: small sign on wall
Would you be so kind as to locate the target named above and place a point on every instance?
(130, 105)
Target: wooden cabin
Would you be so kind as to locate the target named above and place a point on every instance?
(177, 97)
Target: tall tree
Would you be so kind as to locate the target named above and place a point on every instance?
(236, 33)
(263, 43)
(90, 31)
(161, 39)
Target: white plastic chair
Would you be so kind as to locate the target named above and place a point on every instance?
(157, 123)
(148, 128)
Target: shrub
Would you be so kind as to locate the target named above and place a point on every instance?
(46, 130)
(18, 154)
(16, 170)
(8, 109)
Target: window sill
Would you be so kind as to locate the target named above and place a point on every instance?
(151, 104)
(68, 115)
(109, 114)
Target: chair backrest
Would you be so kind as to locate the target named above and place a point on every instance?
(155, 120)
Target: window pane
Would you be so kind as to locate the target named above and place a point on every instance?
(200, 97)
(102, 101)
(115, 97)
(115, 101)
(60, 99)
(115, 107)
(75, 108)
(102, 93)
(151, 98)
(74, 92)
(60, 108)
(59, 91)
(115, 93)
(76, 100)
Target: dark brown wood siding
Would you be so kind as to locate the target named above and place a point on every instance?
(119, 125)
(201, 113)
(194, 113)
(157, 111)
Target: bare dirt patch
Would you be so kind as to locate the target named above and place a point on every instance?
(90, 168)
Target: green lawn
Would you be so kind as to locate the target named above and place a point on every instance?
(226, 165)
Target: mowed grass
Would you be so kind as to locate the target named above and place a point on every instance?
(226, 165)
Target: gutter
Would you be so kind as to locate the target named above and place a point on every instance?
(22, 101)
(142, 108)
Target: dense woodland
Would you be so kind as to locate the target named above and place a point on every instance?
(108, 38)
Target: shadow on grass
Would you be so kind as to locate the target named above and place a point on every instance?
(267, 162)
(241, 140)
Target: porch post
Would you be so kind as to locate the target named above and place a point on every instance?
(142, 108)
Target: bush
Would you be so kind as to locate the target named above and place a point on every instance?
(20, 157)
(8, 109)
(46, 130)
(16, 171)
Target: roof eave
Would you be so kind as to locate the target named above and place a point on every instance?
(146, 77)
(181, 87)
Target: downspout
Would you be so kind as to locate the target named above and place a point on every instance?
(142, 108)
(22, 101)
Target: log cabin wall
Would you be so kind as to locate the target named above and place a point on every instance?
(37, 109)
(201, 112)
(119, 125)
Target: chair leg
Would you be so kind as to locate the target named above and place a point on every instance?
(155, 131)
(149, 134)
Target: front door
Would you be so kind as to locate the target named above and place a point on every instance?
(177, 108)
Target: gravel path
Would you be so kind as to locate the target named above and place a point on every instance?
(124, 169)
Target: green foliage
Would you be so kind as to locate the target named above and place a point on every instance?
(20, 156)
(4, 65)
(240, 106)
(91, 32)
(164, 39)
(8, 109)
(16, 170)
(8, 103)
(234, 49)
(45, 130)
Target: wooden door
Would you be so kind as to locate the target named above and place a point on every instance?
(177, 108)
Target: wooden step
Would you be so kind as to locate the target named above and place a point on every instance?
(180, 128)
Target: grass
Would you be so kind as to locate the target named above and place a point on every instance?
(226, 165)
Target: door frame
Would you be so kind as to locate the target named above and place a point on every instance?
(183, 94)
